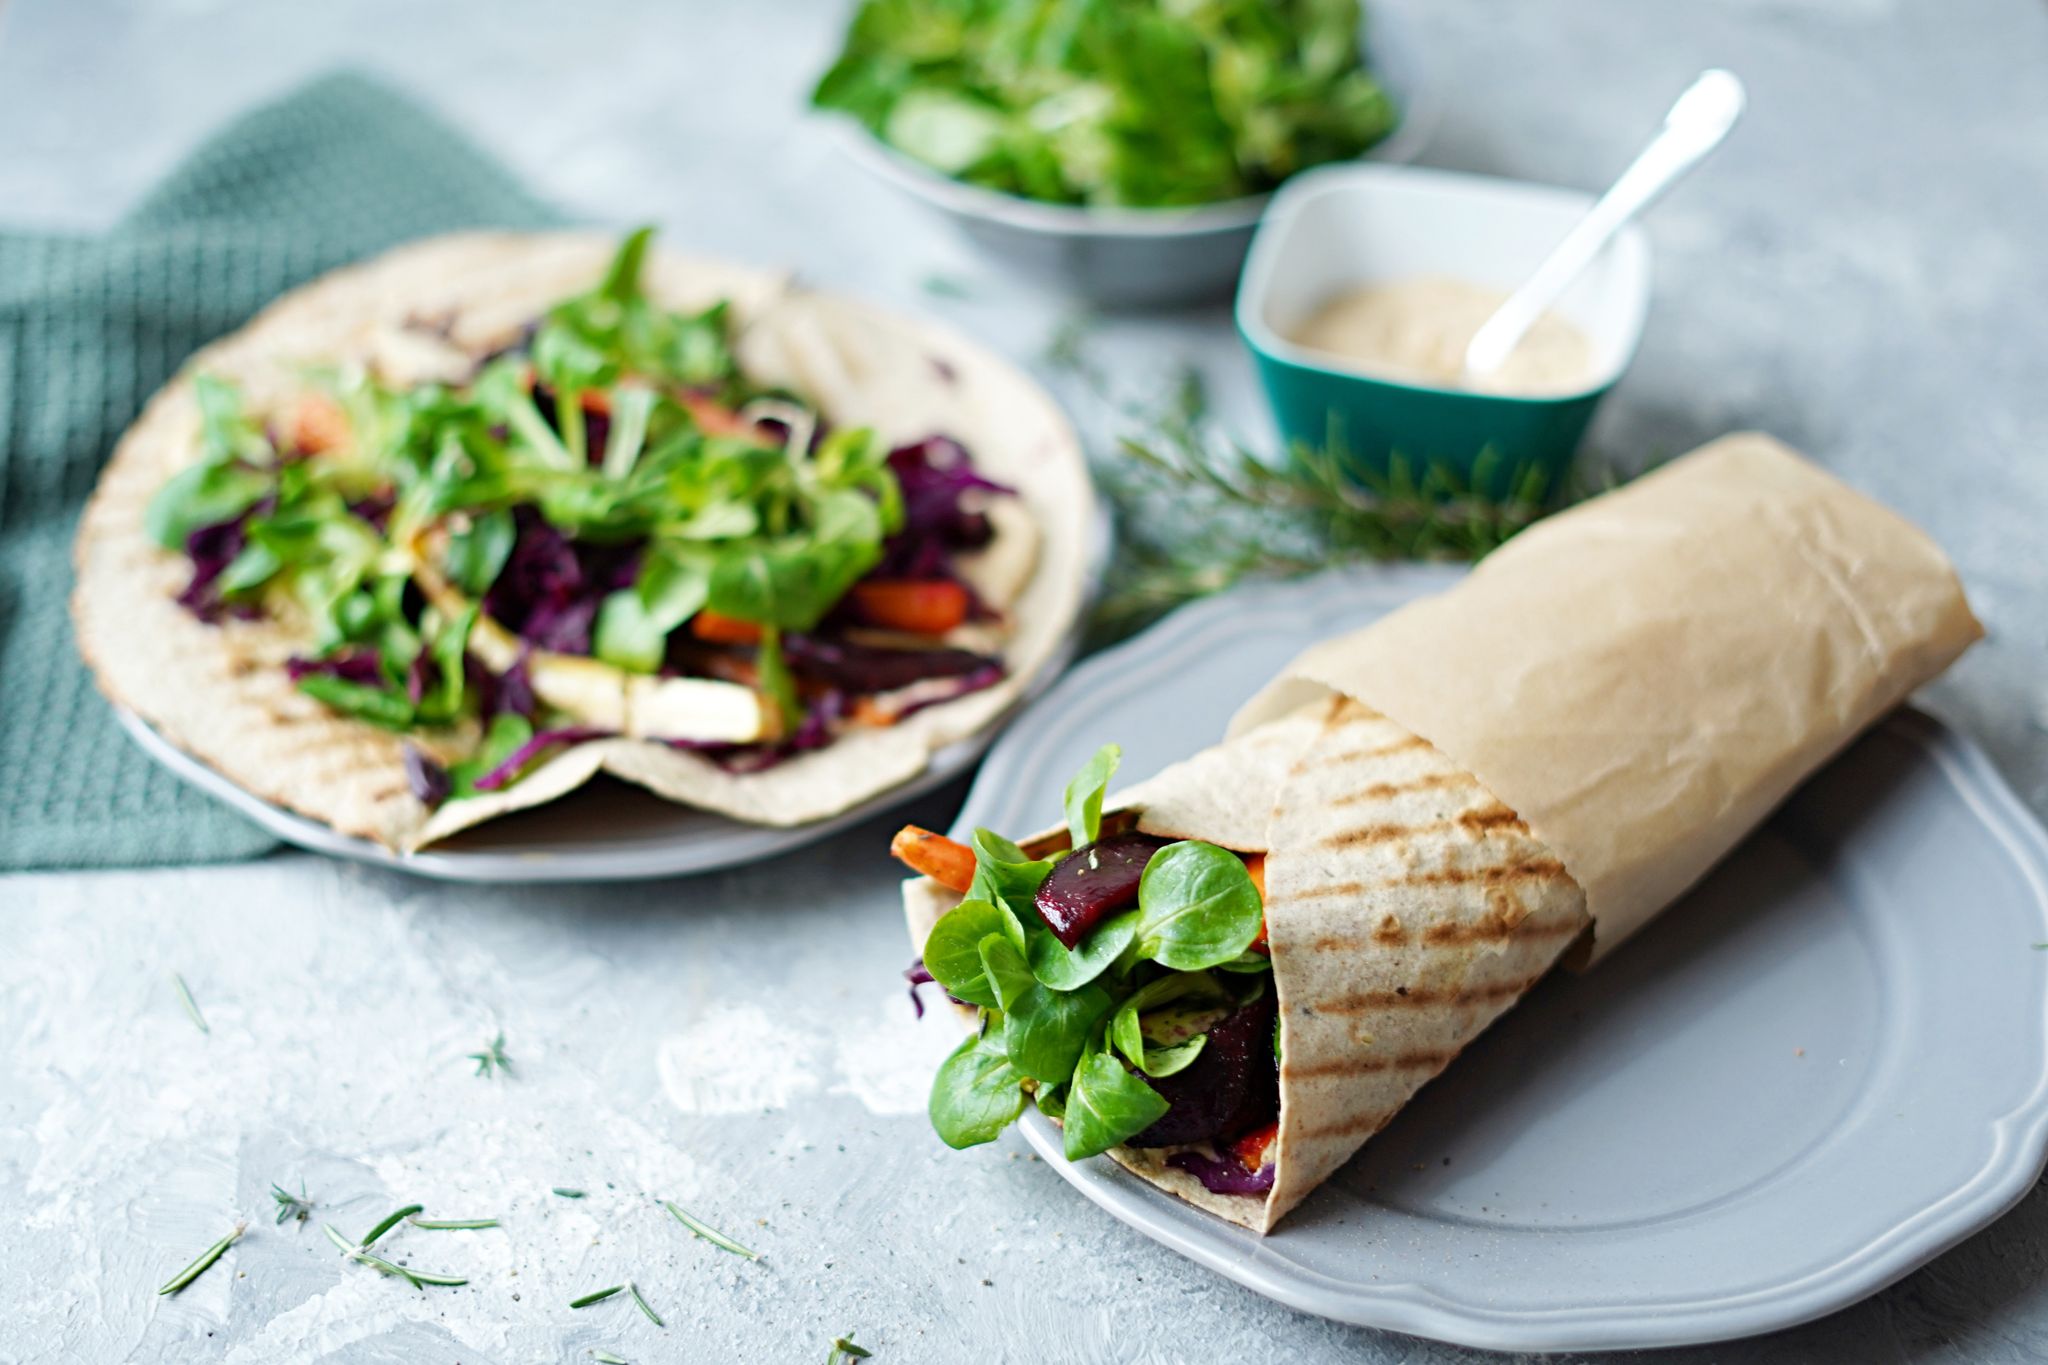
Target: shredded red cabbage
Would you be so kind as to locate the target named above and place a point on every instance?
(211, 549)
(1223, 1175)
(867, 669)
(354, 664)
(917, 975)
(933, 473)
(525, 753)
(550, 588)
(428, 779)
(980, 679)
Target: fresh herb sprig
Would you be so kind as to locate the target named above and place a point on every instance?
(359, 1252)
(1198, 512)
(205, 1259)
(191, 1005)
(708, 1233)
(289, 1205)
(843, 1351)
(491, 1060)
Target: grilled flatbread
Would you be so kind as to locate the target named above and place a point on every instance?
(220, 692)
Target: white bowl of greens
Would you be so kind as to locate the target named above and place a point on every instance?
(1128, 157)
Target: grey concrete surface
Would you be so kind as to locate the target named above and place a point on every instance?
(1860, 272)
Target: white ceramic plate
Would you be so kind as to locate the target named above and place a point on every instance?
(1824, 1067)
(608, 830)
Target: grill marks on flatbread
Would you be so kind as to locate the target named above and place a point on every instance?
(1407, 908)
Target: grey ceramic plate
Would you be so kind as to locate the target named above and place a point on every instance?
(1825, 1066)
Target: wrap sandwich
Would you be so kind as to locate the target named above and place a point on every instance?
(450, 533)
(1230, 976)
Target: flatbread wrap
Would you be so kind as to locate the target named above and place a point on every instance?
(450, 533)
(1230, 976)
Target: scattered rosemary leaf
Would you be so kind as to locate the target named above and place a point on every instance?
(390, 1221)
(492, 1059)
(709, 1234)
(453, 1224)
(206, 1258)
(191, 1005)
(604, 1357)
(568, 1194)
(652, 1316)
(290, 1205)
(418, 1279)
(844, 1350)
(599, 1297)
(946, 286)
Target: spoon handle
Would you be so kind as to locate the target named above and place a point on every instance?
(1695, 126)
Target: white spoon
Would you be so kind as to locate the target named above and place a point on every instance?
(1695, 126)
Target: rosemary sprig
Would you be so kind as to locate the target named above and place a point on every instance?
(453, 1224)
(652, 1316)
(290, 1205)
(206, 1258)
(492, 1059)
(418, 1279)
(710, 1234)
(598, 1297)
(391, 1221)
(1198, 513)
(844, 1350)
(191, 1005)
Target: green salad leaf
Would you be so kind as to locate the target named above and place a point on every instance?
(1135, 103)
(977, 1093)
(952, 951)
(1106, 1105)
(1197, 907)
(1045, 1031)
(1082, 798)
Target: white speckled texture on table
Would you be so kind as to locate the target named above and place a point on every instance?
(1860, 271)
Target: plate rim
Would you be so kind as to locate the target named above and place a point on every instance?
(2015, 1162)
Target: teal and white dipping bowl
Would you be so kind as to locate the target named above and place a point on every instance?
(1342, 226)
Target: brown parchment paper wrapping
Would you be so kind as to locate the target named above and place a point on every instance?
(1642, 679)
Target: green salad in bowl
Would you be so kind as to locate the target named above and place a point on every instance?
(1123, 147)
(1113, 103)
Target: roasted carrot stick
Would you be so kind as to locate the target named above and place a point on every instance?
(1251, 1149)
(318, 424)
(1255, 863)
(712, 628)
(714, 418)
(945, 861)
(921, 606)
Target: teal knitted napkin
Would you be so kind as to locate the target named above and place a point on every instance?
(89, 328)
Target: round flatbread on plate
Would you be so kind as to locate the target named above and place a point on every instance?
(220, 690)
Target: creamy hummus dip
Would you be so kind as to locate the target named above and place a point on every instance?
(1416, 330)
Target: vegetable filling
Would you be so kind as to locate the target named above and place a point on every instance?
(603, 528)
(1122, 983)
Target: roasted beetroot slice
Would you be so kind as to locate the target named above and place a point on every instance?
(1093, 880)
(1234, 1071)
